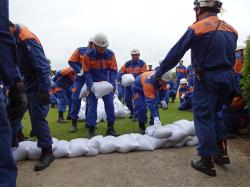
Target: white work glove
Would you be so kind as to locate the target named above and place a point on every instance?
(52, 83)
(164, 104)
(182, 96)
(157, 122)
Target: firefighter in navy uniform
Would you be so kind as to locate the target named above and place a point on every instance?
(17, 105)
(212, 43)
(35, 70)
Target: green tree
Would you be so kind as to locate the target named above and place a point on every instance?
(246, 72)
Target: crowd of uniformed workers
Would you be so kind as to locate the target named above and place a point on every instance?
(209, 87)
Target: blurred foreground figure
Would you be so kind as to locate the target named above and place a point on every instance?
(17, 101)
(35, 70)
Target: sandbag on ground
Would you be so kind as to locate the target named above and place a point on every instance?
(160, 133)
(182, 142)
(177, 132)
(109, 144)
(62, 149)
(193, 142)
(123, 144)
(21, 152)
(78, 147)
(34, 151)
(186, 126)
(127, 143)
(149, 143)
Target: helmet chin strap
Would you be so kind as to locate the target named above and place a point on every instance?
(198, 13)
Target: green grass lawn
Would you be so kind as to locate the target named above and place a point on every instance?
(122, 126)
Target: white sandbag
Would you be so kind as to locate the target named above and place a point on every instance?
(186, 126)
(149, 143)
(119, 110)
(127, 79)
(136, 136)
(177, 133)
(101, 89)
(34, 151)
(162, 133)
(81, 113)
(109, 145)
(127, 143)
(21, 152)
(183, 142)
(97, 140)
(150, 130)
(193, 142)
(83, 93)
(54, 144)
(101, 114)
(93, 147)
(62, 149)
(78, 147)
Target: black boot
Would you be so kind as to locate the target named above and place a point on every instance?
(91, 132)
(142, 128)
(68, 117)
(60, 118)
(15, 142)
(74, 126)
(45, 159)
(221, 156)
(205, 165)
(111, 131)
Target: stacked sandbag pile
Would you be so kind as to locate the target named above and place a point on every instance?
(121, 111)
(178, 134)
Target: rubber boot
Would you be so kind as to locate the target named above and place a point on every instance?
(68, 116)
(91, 132)
(45, 159)
(111, 131)
(221, 156)
(15, 142)
(60, 118)
(142, 128)
(74, 126)
(205, 165)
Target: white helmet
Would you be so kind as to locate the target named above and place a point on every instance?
(208, 3)
(183, 81)
(135, 52)
(91, 40)
(167, 76)
(240, 47)
(101, 40)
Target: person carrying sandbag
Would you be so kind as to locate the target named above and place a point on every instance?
(99, 64)
(135, 66)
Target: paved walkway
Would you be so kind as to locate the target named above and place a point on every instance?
(168, 167)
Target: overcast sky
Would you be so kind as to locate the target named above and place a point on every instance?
(152, 26)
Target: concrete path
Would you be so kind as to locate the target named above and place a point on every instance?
(168, 167)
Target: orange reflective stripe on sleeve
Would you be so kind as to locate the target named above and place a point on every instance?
(75, 57)
(144, 68)
(67, 71)
(113, 64)
(26, 34)
(85, 63)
